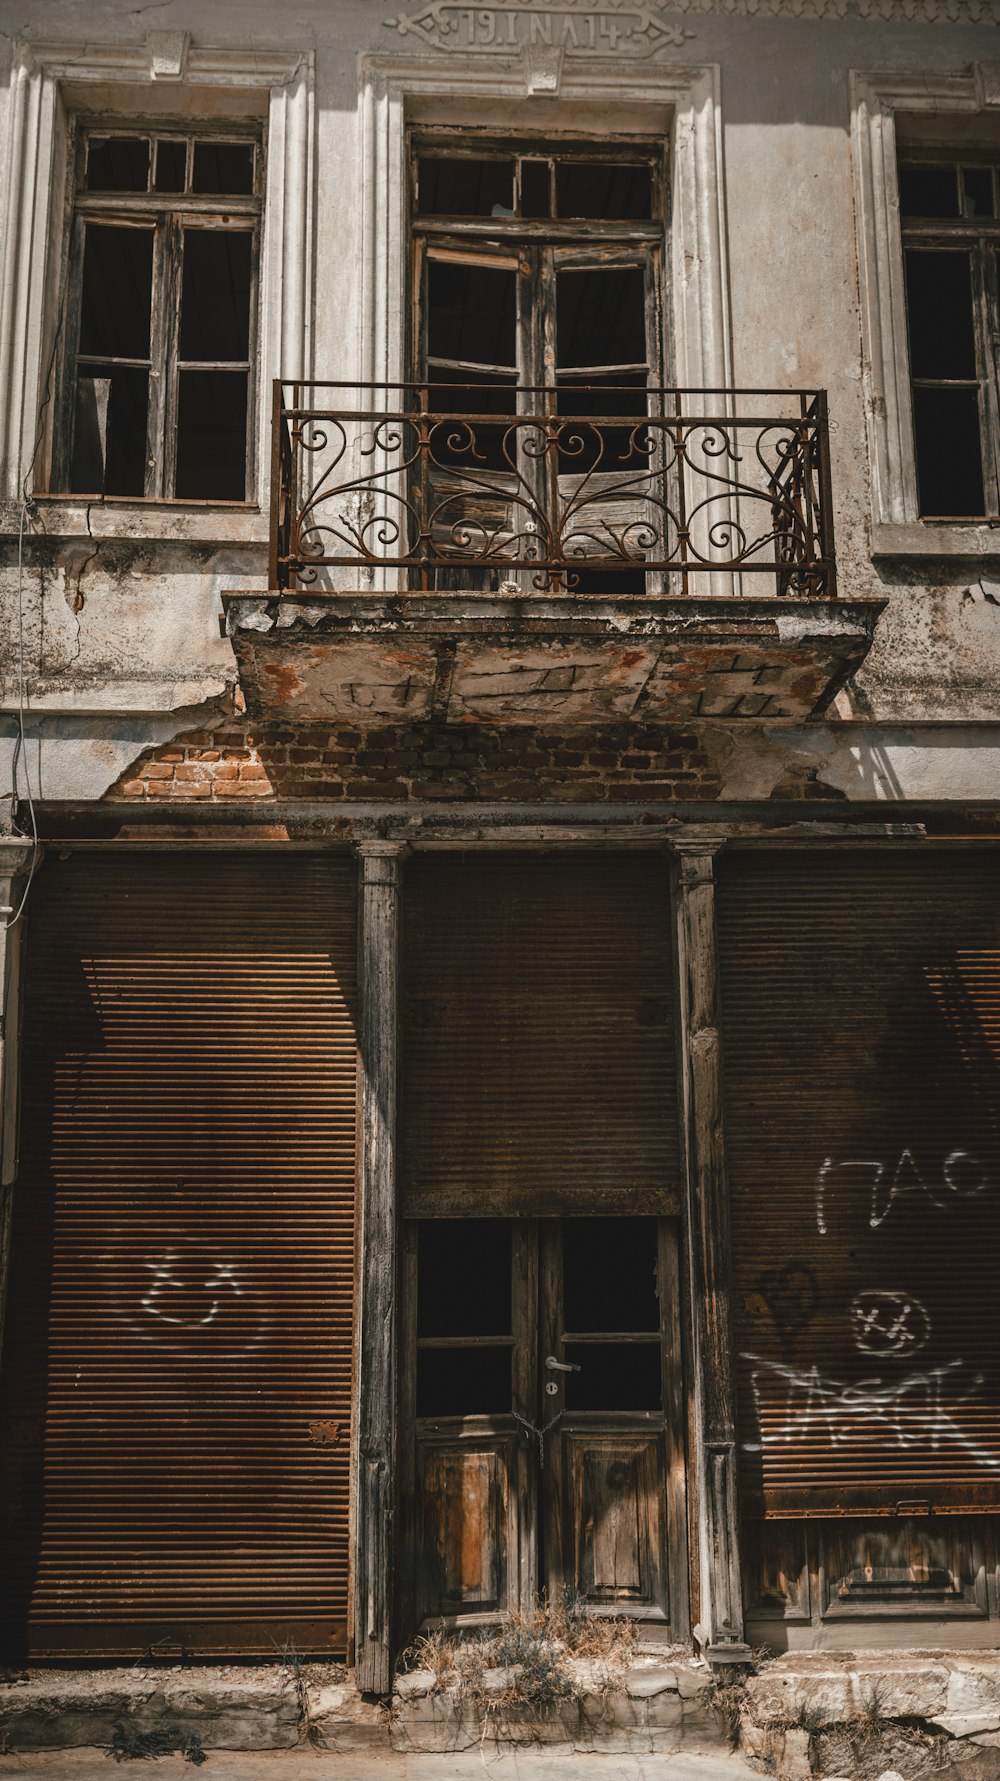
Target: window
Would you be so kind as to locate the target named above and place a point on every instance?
(157, 386)
(950, 220)
(928, 286)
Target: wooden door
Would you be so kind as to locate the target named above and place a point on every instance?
(602, 351)
(613, 1479)
(467, 1387)
(542, 1418)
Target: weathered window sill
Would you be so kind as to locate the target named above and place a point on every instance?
(195, 522)
(922, 538)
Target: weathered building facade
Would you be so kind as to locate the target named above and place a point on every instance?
(502, 977)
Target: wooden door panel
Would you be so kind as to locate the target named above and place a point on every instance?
(614, 1520)
(466, 1563)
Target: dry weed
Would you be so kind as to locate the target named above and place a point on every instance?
(523, 1661)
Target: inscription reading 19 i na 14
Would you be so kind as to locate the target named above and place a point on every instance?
(576, 27)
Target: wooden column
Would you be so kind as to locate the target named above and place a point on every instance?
(375, 1443)
(708, 1249)
(15, 863)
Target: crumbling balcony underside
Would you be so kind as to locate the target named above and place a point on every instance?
(456, 657)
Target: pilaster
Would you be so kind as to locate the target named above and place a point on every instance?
(707, 1205)
(375, 1442)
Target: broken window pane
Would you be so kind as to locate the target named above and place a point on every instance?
(471, 313)
(608, 190)
(939, 304)
(597, 443)
(464, 187)
(109, 433)
(212, 435)
(614, 1376)
(977, 191)
(464, 1277)
(536, 189)
(600, 317)
(215, 294)
(469, 440)
(463, 1381)
(949, 458)
(928, 191)
(171, 166)
(118, 164)
(117, 292)
(610, 1274)
(223, 167)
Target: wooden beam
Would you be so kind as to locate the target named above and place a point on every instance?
(707, 1201)
(17, 859)
(375, 1443)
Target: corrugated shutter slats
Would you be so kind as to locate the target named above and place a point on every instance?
(861, 1032)
(538, 1066)
(178, 1381)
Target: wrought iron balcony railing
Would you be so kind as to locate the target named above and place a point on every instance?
(579, 489)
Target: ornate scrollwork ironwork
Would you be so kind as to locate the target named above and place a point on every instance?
(673, 484)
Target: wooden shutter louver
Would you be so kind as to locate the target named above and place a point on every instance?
(861, 1039)
(538, 1064)
(177, 1388)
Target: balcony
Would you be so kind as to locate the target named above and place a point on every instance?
(485, 554)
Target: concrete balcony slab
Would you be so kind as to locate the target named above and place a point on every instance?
(480, 659)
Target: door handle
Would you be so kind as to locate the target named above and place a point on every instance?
(560, 1366)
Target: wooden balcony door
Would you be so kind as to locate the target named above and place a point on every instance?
(545, 302)
(542, 1438)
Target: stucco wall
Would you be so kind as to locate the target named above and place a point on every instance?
(120, 607)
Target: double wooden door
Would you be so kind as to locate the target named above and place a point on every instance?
(536, 330)
(542, 1443)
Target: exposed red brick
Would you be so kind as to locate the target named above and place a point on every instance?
(632, 763)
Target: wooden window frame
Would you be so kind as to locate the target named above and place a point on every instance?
(980, 238)
(593, 239)
(168, 214)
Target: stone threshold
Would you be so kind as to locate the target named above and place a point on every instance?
(653, 1708)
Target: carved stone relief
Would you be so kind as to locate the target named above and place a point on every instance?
(544, 29)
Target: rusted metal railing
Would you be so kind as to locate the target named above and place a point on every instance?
(419, 486)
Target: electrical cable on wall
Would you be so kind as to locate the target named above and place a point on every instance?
(25, 504)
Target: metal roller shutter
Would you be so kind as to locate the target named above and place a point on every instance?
(861, 1032)
(538, 1066)
(177, 1386)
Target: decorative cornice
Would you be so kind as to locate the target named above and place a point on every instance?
(581, 28)
(901, 12)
